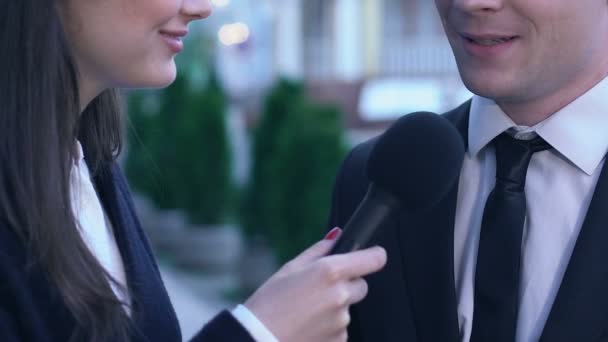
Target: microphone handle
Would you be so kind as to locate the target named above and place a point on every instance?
(372, 213)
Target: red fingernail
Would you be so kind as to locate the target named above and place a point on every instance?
(333, 234)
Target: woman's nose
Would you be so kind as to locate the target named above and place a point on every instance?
(196, 9)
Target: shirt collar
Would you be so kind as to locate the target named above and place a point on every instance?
(578, 131)
(79, 156)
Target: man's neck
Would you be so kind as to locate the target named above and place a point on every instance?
(531, 112)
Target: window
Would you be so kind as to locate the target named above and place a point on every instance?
(401, 17)
(317, 32)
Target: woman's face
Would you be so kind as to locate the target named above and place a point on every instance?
(128, 43)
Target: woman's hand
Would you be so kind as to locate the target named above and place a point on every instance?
(308, 298)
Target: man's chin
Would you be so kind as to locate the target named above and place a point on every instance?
(491, 88)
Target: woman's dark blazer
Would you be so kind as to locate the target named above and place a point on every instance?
(31, 309)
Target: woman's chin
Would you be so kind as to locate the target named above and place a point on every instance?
(159, 78)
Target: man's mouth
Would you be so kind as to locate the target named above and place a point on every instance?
(490, 42)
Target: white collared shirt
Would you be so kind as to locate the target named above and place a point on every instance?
(559, 187)
(96, 231)
(95, 227)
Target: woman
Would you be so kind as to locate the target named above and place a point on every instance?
(74, 262)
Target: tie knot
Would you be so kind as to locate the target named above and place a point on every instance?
(512, 159)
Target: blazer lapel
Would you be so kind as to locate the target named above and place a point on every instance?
(427, 242)
(115, 206)
(580, 310)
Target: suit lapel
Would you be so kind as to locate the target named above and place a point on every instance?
(427, 242)
(580, 310)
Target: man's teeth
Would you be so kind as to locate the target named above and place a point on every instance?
(490, 42)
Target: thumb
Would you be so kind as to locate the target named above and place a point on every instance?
(319, 249)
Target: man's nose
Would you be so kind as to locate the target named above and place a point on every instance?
(475, 6)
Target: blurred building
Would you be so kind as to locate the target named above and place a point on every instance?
(378, 59)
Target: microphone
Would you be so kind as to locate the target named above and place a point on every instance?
(412, 167)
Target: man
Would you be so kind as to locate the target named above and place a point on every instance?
(500, 258)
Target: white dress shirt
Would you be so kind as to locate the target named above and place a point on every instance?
(96, 231)
(559, 186)
(94, 226)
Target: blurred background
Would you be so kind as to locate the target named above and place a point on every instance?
(232, 166)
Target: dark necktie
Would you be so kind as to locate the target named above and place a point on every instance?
(498, 260)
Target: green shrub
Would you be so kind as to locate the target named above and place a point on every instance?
(206, 161)
(179, 152)
(306, 163)
(298, 147)
(257, 211)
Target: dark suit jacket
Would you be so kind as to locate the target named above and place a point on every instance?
(31, 310)
(413, 298)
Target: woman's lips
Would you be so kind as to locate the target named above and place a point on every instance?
(173, 39)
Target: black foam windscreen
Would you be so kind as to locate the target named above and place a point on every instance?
(417, 160)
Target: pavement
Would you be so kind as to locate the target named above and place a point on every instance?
(196, 298)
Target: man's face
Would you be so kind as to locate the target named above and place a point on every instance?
(517, 51)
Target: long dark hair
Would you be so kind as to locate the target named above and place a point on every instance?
(39, 121)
